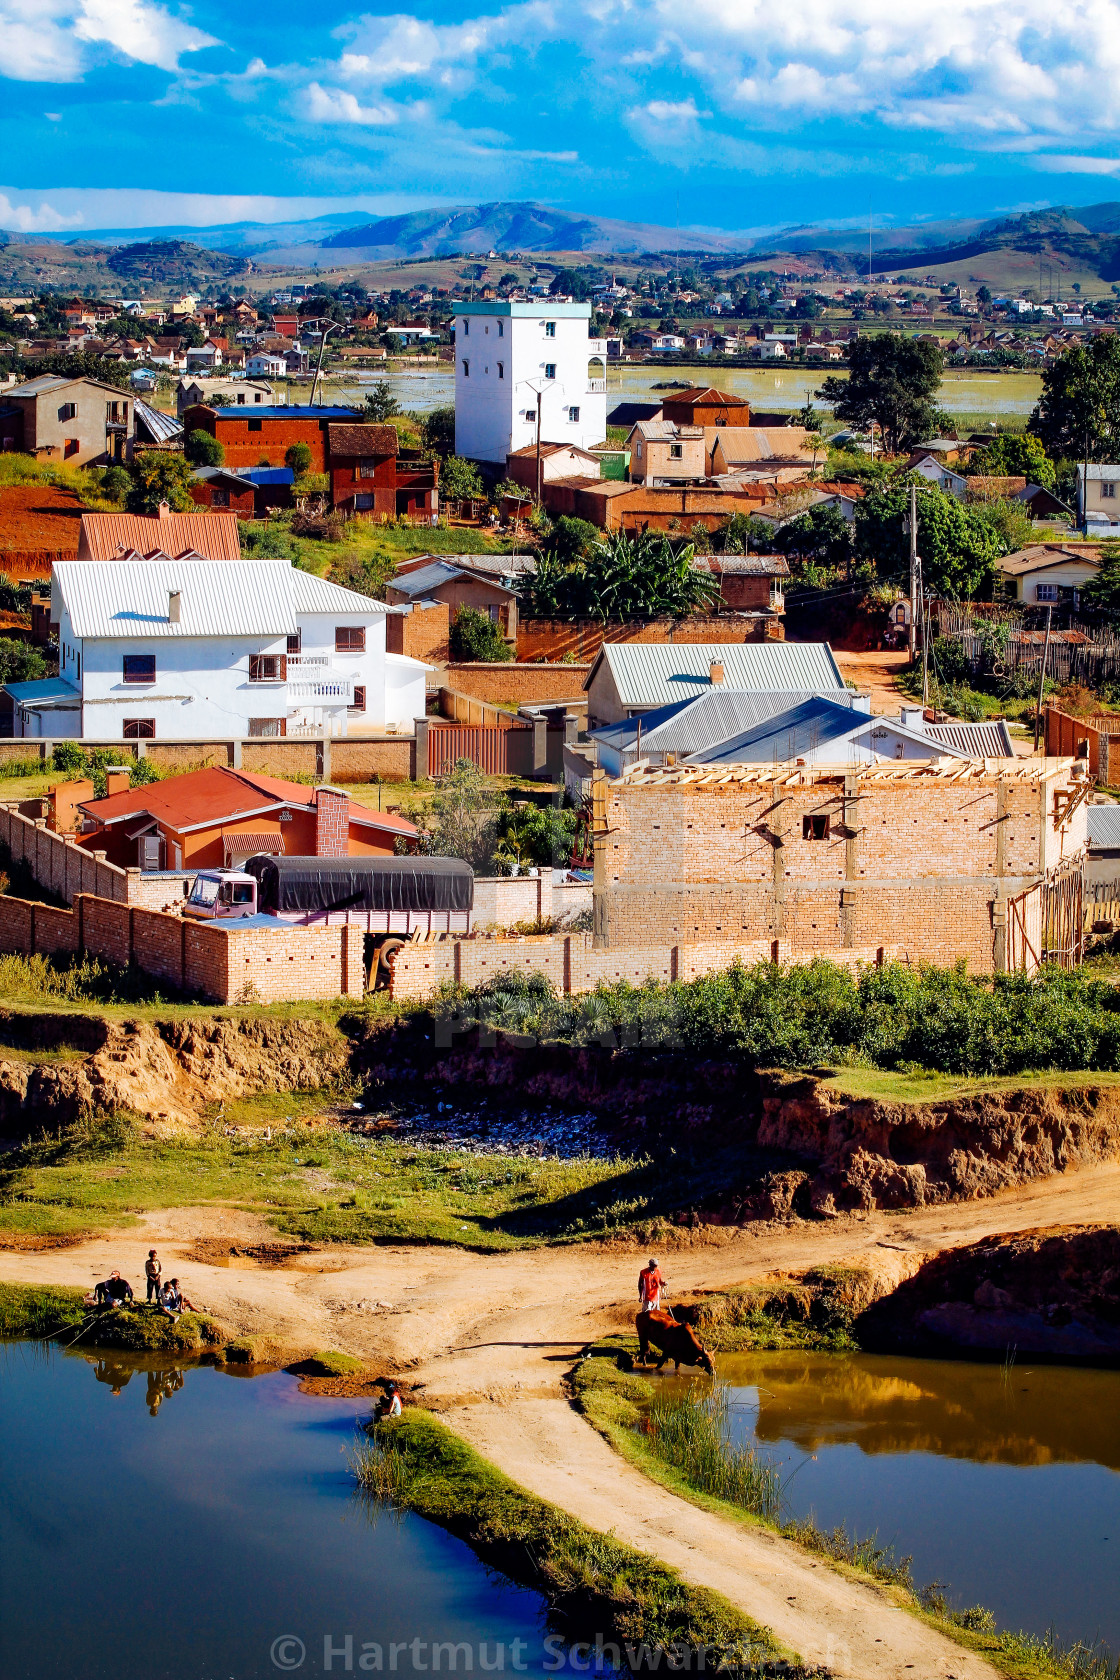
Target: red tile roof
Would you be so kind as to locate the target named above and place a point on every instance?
(213, 536)
(203, 798)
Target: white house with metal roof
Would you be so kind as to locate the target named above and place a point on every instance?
(191, 649)
(631, 678)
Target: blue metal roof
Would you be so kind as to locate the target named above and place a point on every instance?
(267, 475)
(803, 730)
(50, 688)
(283, 411)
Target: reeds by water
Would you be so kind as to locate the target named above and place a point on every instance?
(692, 1432)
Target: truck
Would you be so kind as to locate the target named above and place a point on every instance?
(392, 899)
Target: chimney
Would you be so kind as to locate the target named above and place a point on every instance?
(715, 673)
(117, 780)
(174, 606)
(163, 511)
(332, 822)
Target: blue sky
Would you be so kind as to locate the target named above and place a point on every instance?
(739, 114)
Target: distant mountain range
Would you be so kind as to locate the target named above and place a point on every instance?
(1087, 237)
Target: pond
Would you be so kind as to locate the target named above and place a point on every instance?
(965, 392)
(1002, 1483)
(191, 1525)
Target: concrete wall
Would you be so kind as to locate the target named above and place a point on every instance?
(220, 964)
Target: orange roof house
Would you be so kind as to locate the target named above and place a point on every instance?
(111, 536)
(219, 817)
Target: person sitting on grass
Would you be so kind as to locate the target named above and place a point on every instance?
(389, 1405)
(114, 1292)
(172, 1301)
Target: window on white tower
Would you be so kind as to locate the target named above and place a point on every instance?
(573, 416)
(466, 327)
(466, 367)
(501, 329)
(550, 329)
(550, 370)
(501, 370)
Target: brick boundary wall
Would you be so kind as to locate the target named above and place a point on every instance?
(59, 864)
(521, 685)
(573, 964)
(221, 964)
(582, 638)
(346, 758)
(1073, 737)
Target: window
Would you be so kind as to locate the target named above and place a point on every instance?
(358, 704)
(495, 614)
(364, 503)
(241, 399)
(466, 367)
(573, 416)
(367, 467)
(68, 411)
(1046, 592)
(466, 327)
(814, 828)
(71, 447)
(267, 727)
(139, 667)
(676, 452)
(258, 397)
(350, 638)
(268, 667)
(256, 425)
(295, 642)
(139, 729)
(1108, 491)
(219, 498)
(501, 329)
(550, 329)
(501, 370)
(550, 370)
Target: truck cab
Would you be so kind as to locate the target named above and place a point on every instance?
(221, 893)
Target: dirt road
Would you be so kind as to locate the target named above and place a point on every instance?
(877, 670)
(488, 1338)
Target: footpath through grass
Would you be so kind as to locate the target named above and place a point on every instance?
(683, 1442)
(593, 1583)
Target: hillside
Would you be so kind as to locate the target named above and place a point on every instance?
(514, 227)
(85, 266)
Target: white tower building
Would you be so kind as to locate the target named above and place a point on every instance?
(506, 354)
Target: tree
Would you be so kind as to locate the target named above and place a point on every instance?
(1102, 594)
(116, 482)
(380, 402)
(540, 835)
(958, 549)
(461, 818)
(202, 450)
(1007, 520)
(892, 382)
(1015, 455)
(474, 636)
(570, 283)
(297, 456)
(21, 662)
(1078, 413)
(623, 577)
(821, 537)
(573, 540)
(438, 429)
(459, 479)
(157, 478)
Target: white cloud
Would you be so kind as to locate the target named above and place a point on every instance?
(55, 40)
(335, 105)
(665, 111)
(1056, 163)
(21, 218)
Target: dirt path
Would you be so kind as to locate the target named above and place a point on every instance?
(877, 670)
(487, 1339)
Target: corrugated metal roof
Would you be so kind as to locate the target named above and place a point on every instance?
(657, 673)
(311, 594)
(49, 688)
(717, 715)
(665, 431)
(806, 729)
(113, 598)
(161, 428)
(425, 579)
(214, 536)
(976, 740)
(1104, 825)
(267, 475)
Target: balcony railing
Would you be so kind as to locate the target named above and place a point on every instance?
(321, 691)
(310, 663)
(595, 386)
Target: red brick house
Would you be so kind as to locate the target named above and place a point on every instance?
(261, 437)
(363, 469)
(702, 405)
(217, 487)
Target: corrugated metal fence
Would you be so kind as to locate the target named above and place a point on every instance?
(488, 748)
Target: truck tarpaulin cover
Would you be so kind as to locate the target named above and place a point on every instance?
(354, 883)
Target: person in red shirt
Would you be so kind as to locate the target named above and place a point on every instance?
(650, 1284)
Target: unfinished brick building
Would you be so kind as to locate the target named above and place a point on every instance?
(941, 859)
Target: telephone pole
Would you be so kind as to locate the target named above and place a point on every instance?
(915, 565)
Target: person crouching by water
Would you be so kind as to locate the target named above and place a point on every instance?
(172, 1301)
(153, 1271)
(389, 1405)
(114, 1292)
(650, 1285)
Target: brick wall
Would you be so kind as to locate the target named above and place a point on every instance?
(221, 964)
(574, 965)
(245, 448)
(386, 760)
(420, 632)
(1093, 738)
(521, 685)
(916, 864)
(553, 638)
(500, 900)
(56, 862)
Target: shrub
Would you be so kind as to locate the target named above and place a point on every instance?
(298, 457)
(202, 450)
(474, 636)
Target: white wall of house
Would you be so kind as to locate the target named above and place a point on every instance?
(504, 354)
(1050, 584)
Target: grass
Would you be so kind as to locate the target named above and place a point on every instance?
(38, 1312)
(683, 1442)
(926, 1086)
(320, 1184)
(81, 980)
(592, 1582)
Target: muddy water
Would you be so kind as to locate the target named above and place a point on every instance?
(190, 1525)
(1003, 1484)
(964, 392)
